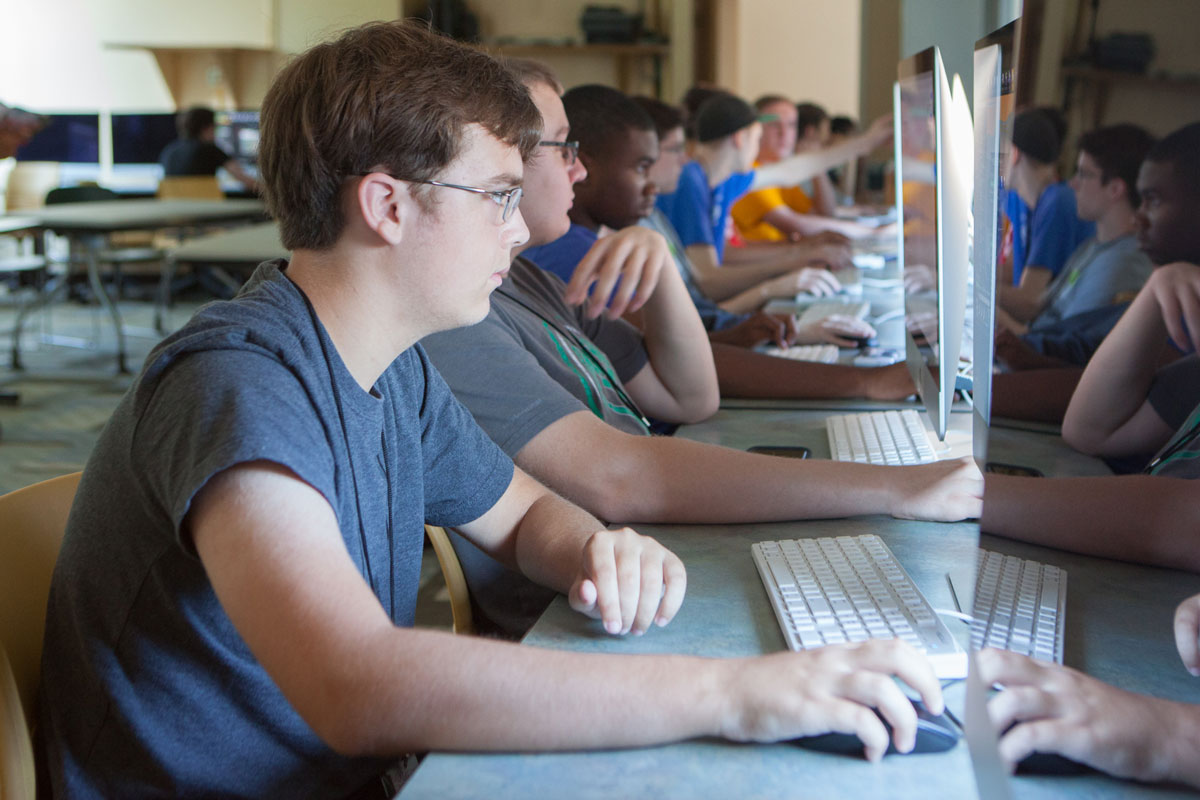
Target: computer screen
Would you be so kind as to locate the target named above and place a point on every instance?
(72, 138)
(237, 135)
(140, 138)
(932, 166)
(995, 96)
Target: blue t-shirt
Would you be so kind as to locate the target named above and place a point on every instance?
(561, 256)
(699, 213)
(149, 688)
(1047, 235)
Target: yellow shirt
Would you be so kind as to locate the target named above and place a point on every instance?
(748, 213)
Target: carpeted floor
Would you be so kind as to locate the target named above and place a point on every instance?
(66, 395)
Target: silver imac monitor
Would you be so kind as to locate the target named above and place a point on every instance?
(995, 102)
(933, 164)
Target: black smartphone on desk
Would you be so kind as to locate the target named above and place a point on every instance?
(787, 451)
(1012, 469)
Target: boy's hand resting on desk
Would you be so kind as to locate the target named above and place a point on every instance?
(944, 491)
(634, 256)
(1055, 709)
(628, 581)
(893, 382)
(1187, 633)
(834, 688)
(777, 329)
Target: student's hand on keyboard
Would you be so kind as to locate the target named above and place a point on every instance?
(759, 328)
(1055, 709)
(812, 280)
(944, 491)
(835, 329)
(635, 256)
(919, 278)
(1187, 633)
(893, 382)
(832, 689)
(628, 581)
(830, 255)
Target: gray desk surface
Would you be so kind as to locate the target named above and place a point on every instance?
(251, 244)
(14, 224)
(120, 215)
(727, 613)
(1118, 628)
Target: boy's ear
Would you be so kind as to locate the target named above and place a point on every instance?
(383, 203)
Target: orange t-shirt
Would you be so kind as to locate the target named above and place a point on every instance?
(748, 213)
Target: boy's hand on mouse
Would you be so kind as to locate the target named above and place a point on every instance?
(1050, 708)
(1187, 624)
(838, 329)
(813, 280)
(834, 688)
(628, 581)
(944, 491)
(635, 256)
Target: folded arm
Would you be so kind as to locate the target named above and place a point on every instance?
(1138, 518)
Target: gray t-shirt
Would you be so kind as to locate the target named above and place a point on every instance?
(1097, 274)
(532, 361)
(149, 689)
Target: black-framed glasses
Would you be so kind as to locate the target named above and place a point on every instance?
(507, 199)
(570, 150)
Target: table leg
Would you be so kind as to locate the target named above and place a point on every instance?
(92, 246)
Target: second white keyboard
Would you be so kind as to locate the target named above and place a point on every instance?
(821, 353)
(891, 438)
(1019, 605)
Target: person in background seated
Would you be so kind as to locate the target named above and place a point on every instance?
(783, 213)
(566, 389)
(1109, 267)
(1041, 209)
(727, 137)
(1126, 407)
(195, 152)
(1040, 383)
(616, 139)
(845, 176)
(231, 612)
(1055, 709)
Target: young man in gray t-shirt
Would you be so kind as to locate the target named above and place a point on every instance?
(231, 610)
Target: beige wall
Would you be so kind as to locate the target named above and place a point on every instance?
(805, 49)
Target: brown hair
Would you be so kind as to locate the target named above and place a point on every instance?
(531, 72)
(390, 97)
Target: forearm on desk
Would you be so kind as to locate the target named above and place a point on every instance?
(747, 374)
(1137, 518)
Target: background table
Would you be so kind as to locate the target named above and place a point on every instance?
(87, 226)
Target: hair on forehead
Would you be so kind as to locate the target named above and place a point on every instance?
(391, 97)
(666, 117)
(1181, 149)
(601, 117)
(532, 72)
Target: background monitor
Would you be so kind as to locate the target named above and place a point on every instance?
(995, 101)
(237, 135)
(141, 138)
(933, 168)
(72, 138)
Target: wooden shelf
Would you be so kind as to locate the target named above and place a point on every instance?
(1102, 81)
(626, 55)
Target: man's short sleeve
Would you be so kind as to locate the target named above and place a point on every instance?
(1176, 390)
(465, 472)
(500, 382)
(689, 208)
(1055, 230)
(750, 209)
(214, 410)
